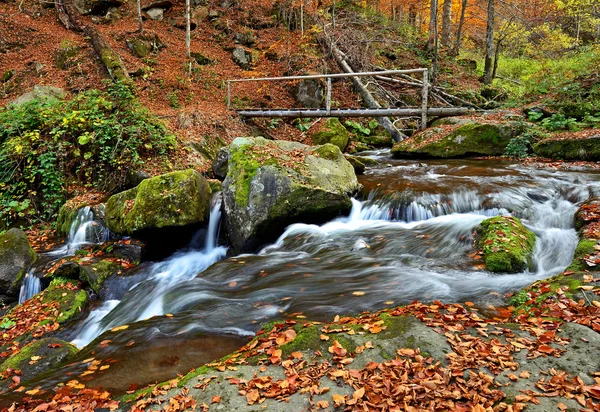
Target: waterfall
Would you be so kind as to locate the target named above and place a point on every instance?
(146, 299)
(30, 287)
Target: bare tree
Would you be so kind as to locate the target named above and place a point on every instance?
(461, 23)
(489, 44)
(139, 13)
(432, 25)
(188, 36)
(446, 22)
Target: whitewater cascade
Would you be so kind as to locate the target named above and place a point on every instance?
(392, 248)
(84, 230)
(159, 279)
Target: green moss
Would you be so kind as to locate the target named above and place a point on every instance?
(244, 165)
(14, 246)
(66, 216)
(22, 358)
(96, 273)
(569, 149)
(334, 132)
(173, 199)
(472, 139)
(506, 244)
(70, 305)
(584, 248)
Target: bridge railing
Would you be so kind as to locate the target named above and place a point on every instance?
(327, 112)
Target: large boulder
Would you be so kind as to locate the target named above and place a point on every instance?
(334, 132)
(570, 149)
(506, 244)
(242, 58)
(37, 357)
(309, 93)
(16, 255)
(172, 200)
(271, 184)
(472, 139)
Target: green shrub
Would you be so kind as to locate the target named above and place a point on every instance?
(93, 139)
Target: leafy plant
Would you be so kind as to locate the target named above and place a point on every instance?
(559, 121)
(7, 323)
(93, 139)
(302, 124)
(522, 145)
(358, 128)
(273, 123)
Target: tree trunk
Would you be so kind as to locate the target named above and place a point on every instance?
(446, 22)
(110, 59)
(489, 45)
(188, 36)
(460, 28)
(139, 13)
(496, 58)
(432, 25)
(412, 16)
(367, 97)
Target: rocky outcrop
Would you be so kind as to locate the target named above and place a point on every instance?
(570, 149)
(271, 184)
(36, 358)
(472, 139)
(16, 255)
(242, 58)
(309, 93)
(39, 93)
(141, 45)
(506, 244)
(334, 132)
(171, 200)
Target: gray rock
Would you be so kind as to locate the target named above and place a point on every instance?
(16, 256)
(142, 45)
(39, 93)
(68, 270)
(242, 58)
(246, 39)
(272, 184)
(52, 352)
(155, 13)
(219, 165)
(309, 93)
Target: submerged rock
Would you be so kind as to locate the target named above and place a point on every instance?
(570, 149)
(334, 132)
(473, 139)
(271, 184)
(176, 199)
(16, 255)
(507, 245)
(37, 357)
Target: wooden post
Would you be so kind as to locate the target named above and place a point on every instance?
(425, 95)
(228, 95)
(328, 101)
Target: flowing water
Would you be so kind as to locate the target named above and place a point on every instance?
(410, 237)
(85, 230)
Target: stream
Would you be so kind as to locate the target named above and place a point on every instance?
(408, 236)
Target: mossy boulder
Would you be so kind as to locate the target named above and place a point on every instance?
(570, 149)
(360, 163)
(176, 199)
(144, 44)
(334, 132)
(71, 300)
(507, 245)
(37, 357)
(272, 184)
(16, 255)
(473, 139)
(97, 273)
(377, 141)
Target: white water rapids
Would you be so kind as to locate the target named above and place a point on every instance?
(390, 248)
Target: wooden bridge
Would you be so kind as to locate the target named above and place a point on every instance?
(374, 111)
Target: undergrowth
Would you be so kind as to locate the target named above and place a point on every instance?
(92, 139)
